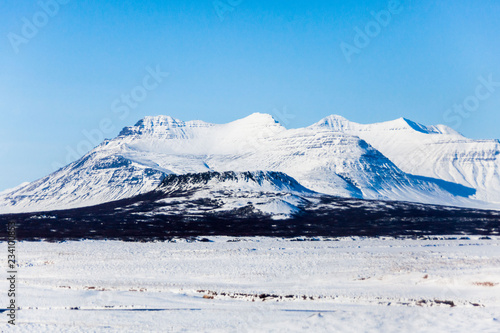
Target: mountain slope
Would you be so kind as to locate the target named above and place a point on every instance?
(95, 178)
(431, 151)
(272, 193)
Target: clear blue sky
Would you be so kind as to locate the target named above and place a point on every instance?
(233, 59)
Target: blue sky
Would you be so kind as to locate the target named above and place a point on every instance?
(229, 58)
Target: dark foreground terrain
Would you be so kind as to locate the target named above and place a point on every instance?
(194, 205)
(133, 220)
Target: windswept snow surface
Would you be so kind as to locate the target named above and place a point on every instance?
(331, 157)
(259, 285)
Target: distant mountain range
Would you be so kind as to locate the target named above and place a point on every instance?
(435, 151)
(255, 162)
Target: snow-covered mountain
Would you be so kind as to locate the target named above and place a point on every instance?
(325, 157)
(260, 203)
(431, 151)
(273, 193)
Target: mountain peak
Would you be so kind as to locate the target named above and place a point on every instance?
(151, 124)
(161, 125)
(255, 125)
(334, 122)
(437, 129)
(258, 118)
(164, 121)
(340, 124)
(417, 127)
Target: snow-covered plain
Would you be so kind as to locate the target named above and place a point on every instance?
(259, 284)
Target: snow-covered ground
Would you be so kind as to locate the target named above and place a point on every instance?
(258, 284)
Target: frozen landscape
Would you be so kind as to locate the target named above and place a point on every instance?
(250, 166)
(251, 227)
(221, 284)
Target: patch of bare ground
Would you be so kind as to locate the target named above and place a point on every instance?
(424, 302)
(94, 288)
(209, 294)
(485, 284)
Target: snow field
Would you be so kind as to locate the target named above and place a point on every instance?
(259, 284)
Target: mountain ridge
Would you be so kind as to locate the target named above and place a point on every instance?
(432, 151)
(333, 156)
